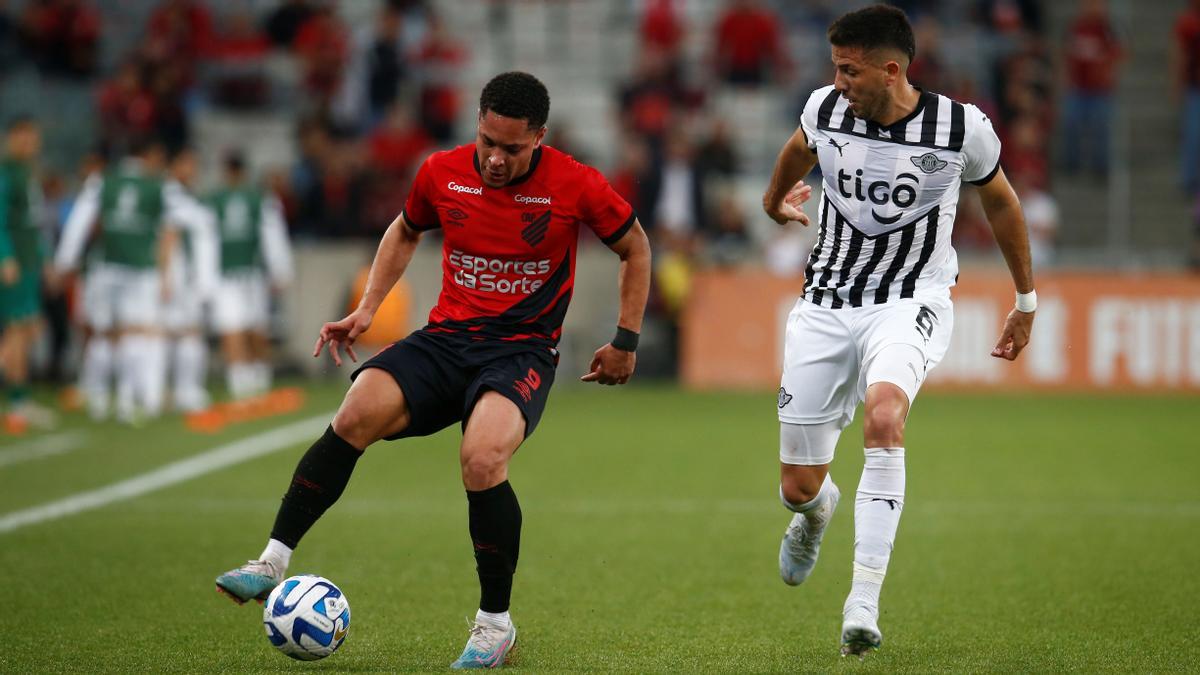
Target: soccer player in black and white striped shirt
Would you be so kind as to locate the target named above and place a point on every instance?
(876, 312)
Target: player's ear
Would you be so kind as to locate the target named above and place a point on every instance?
(537, 140)
(893, 69)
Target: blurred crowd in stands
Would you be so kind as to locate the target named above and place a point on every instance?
(371, 100)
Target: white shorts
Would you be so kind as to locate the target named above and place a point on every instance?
(241, 303)
(119, 297)
(184, 311)
(831, 356)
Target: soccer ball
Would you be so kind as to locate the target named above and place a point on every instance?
(306, 617)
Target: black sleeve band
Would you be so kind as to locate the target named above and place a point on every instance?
(625, 340)
(988, 178)
(616, 236)
(417, 226)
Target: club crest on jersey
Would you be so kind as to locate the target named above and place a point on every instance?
(929, 163)
(535, 231)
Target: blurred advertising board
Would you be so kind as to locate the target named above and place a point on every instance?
(1092, 332)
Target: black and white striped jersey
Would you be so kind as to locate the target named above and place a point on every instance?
(889, 197)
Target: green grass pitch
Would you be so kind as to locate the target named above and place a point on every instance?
(1041, 533)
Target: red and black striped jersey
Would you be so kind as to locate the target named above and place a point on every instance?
(508, 258)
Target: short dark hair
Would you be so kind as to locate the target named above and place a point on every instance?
(875, 27)
(235, 161)
(517, 95)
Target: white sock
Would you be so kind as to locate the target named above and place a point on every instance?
(129, 366)
(877, 509)
(278, 554)
(239, 378)
(811, 509)
(262, 376)
(499, 620)
(153, 376)
(95, 374)
(191, 365)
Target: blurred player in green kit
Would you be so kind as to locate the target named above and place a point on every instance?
(21, 256)
(133, 214)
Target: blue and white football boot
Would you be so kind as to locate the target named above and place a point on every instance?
(253, 581)
(802, 541)
(488, 647)
(860, 630)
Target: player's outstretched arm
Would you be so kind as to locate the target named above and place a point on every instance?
(1008, 224)
(391, 259)
(614, 362)
(787, 191)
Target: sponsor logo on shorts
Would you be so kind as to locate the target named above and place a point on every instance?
(784, 398)
(925, 320)
(466, 189)
(528, 384)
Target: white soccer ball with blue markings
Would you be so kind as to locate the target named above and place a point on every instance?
(307, 617)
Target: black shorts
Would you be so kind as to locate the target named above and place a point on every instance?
(443, 375)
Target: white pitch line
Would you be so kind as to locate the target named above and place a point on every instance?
(46, 446)
(218, 458)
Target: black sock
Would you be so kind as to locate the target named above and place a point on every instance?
(319, 480)
(495, 521)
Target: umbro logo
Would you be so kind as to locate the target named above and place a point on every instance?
(929, 163)
(839, 146)
(535, 231)
(784, 397)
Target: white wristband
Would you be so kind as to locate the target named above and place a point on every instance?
(1027, 302)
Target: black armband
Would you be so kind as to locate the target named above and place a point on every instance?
(625, 340)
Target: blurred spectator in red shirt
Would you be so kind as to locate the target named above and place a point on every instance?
(322, 45)
(237, 56)
(440, 61)
(399, 144)
(182, 30)
(63, 35)
(1187, 86)
(662, 29)
(394, 150)
(750, 48)
(1092, 55)
(1024, 152)
(648, 101)
(126, 106)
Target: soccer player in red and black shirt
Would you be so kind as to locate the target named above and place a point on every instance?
(510, 210)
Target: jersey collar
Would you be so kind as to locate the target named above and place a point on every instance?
(533, 164)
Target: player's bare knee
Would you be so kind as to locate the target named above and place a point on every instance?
(355, 425)
(482, 464)
(883, 425)
(799, 487)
